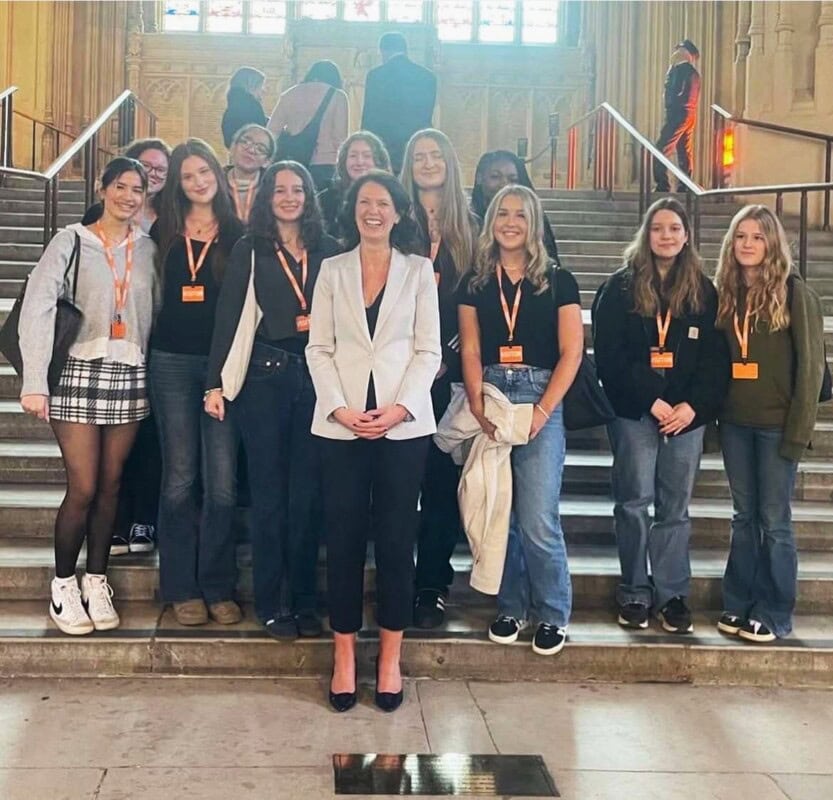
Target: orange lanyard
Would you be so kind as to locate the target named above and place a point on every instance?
(513, 319)
(120, 287)
(743, 338)
(242, 212)
(662, 328)
(195, 268)
(299, 290)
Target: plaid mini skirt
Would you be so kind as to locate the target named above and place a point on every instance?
(100, 392)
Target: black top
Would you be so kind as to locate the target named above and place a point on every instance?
(537, 327)
(330, 200)
(243, 109)
(187, 327)
(399, 98)
(274, 294)
(372, 313)
(682, 87)
(623, 340)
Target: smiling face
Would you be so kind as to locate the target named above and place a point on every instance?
(288, 197)
(124, 196)
(429, 168)
(251, 151)
(375, 213)
(155, 163)
(667, 234)
(511, 226)
(499, 174)
(359, 159)
(750, 244)
(198, 181)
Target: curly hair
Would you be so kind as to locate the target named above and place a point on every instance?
(767, 298)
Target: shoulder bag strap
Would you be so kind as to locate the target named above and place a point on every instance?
(74, 260)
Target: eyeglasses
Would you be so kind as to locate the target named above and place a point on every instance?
(255, 147)
(160, 172)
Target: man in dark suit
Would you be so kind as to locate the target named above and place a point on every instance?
(399, 97)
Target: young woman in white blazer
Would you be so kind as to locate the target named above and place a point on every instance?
(373, 353)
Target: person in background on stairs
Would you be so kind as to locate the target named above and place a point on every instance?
(251, 152)
(359, 153)
(521, 331)
(244, 102)
(101, 396)
(665, 370)
(195, 233)
(274, 406)
(499, 168)
(135, 526)
(774, 327)
(447, 232)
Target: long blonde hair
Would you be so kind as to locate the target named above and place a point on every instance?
(766, 300)
(683, 287)
(538, 265)
(453, 218)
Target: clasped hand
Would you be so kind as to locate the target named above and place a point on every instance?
(672, 419)
(373, 424)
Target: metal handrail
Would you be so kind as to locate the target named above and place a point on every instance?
(722, 117)
(125, 104)
(605, 153)
(6, 110)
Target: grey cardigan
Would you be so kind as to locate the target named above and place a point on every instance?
(95, 297)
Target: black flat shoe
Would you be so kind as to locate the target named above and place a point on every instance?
(342, 701)
(387, 701)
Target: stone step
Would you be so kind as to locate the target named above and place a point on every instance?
(21, 235)
(34, 219)
(567, 214)
(35, 193)
(73, 208)
(148, 643)
(37, 462)
(27, 512)
(67, 184)
(14, 424)
(26, 568)
(11, 270)
(14, 251)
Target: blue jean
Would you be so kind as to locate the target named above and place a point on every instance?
(762, 570)
(274, 414)
(196, 541)
(648, 468)
(536, 576)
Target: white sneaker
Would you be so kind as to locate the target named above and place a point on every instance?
(66, 608)
(97, 596)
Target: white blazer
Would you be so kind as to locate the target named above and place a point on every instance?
(404, 354)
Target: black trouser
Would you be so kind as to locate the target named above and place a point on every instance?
(141, 480)
(378, 479)
(677, 134)
(439, 528)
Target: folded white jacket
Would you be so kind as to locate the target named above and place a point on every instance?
(485, 489)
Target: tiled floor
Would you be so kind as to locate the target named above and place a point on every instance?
(218, 739)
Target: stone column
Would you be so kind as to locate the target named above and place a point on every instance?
(823, 82)
(742, 45)
(783, 77)
(133, 56)
(758, 82)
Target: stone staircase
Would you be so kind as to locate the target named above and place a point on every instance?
(591, 232)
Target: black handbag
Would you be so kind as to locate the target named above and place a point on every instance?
(300, 146)
(585, 404)
(67, 325)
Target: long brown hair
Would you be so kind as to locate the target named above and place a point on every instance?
(682, 289)
(766, 300)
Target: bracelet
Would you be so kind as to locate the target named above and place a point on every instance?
(541, 409)
(209, 391)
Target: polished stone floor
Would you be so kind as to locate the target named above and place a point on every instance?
(222, 739)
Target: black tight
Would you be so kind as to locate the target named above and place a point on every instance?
(94, 457)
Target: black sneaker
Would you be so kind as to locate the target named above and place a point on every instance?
(755, 631)
(549, 640)
(429, 609)
(729, 623)
(633, 615)
(675, 616)
(142, 538)
(283, 628)
(505, 630)
(308, 623)
(119, 545)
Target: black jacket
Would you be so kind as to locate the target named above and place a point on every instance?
(622, 340)
(243, 109)
(399, 98)
(682, 88)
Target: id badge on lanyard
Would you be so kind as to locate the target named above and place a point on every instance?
(660, 357)
(510, 353)
(744, 370)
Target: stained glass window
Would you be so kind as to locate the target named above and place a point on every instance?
(405, 10)
(362, 10)
(540, 22)
(224, 16)
(318, 9)
(267, 16)
(181, 15)
(497, 21)
(454, 20)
